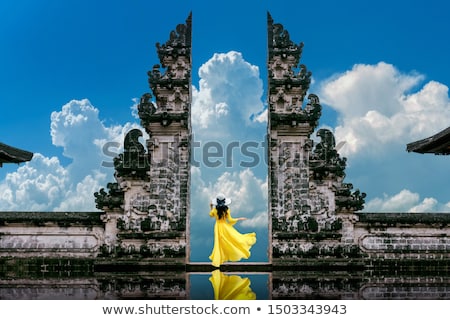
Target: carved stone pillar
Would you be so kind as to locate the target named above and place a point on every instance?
(167, 121)
(151, 199)
(306, 189)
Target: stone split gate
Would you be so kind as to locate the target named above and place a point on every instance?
(314, 216)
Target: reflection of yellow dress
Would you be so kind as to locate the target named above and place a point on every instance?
(229, 244)
(231, 287)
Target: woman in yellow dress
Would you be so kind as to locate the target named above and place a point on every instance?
(229, 244)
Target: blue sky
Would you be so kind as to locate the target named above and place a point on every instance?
(71, 71)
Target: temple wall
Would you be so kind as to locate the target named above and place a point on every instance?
(403, 235)
(47, 234)
(75, 234)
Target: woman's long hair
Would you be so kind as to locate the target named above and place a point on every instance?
(221, 208)
(221, 211)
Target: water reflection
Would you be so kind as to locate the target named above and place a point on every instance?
(231, 287)
(218, 285)
(39, 280)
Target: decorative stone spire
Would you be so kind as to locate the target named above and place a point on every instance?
(147, 210)
(179, 43)
(288, 81)
(308, 202)
(280, 44)
(170, 87)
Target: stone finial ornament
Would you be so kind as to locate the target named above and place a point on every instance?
(134, 161)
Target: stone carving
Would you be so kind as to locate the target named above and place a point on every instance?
(155, 183)
(288, 80)
(112, 199)
(310, 114)
(146, 108)
(141, 203)
(313, 110)
(133, 161)
(346, 199)
(325, 161)
(305, 184)
(178, 43)
(171, 85)
(280, 42)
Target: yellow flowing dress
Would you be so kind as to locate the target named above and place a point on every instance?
(229, 244)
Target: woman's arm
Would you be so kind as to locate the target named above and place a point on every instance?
(212, 210)
(232, 220)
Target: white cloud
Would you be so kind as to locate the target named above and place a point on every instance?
(259, 220)
(221, 109)
(405, 201)
(201, 195)
(368, 87)
(427, 205)
(230, 92)
(38, 185)
(80, 195)
(78, 129)
(376, 107)
(247, 192)
(134, 108)
(400, 202)
(227, 111)
(381, 110)
(227, 114)
(44, 184)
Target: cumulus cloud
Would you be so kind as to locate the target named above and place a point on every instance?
(229, 93)
(249, 199)
(39, 185)
(379, 111)
(247, 192)
(377, 107)
(78, 129)
(228, 115)
(44, 184)
(405, 201)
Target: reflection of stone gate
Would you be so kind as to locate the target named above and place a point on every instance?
(314, 219)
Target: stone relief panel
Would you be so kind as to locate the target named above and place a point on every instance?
(405, 243)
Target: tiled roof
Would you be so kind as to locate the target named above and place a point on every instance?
(437, 144)
(10, 154)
